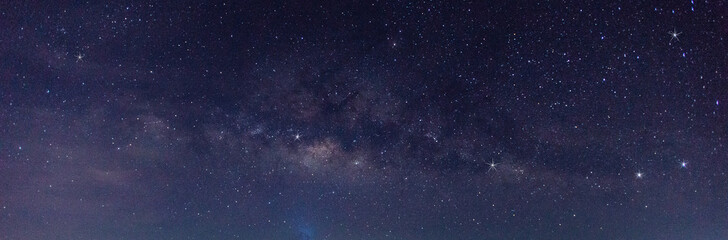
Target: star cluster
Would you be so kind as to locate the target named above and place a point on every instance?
(363, 120)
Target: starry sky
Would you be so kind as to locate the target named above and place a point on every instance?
(334, 120)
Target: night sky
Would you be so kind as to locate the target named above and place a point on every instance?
(364, 120)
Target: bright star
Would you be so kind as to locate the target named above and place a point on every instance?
(674, 35)
(79, 57)
(683, 164)
(639, 174)
(297, 136)
(492, 166)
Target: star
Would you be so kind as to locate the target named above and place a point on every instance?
(674, 35)
(79, 57)
(683, 164)
(492, 166)
(639, 174)
(297, 137)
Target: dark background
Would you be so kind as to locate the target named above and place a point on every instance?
(363, 120)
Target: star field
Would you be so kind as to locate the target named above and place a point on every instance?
(364, 120)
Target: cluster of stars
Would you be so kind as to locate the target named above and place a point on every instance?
(370, 120)
(640, 174)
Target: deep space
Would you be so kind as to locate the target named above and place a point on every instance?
(303, 120)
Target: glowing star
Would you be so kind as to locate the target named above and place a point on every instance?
(639, 175)
(674, 35)
(79, 57)
(492, 165)
(297, 137)
(683, 165)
